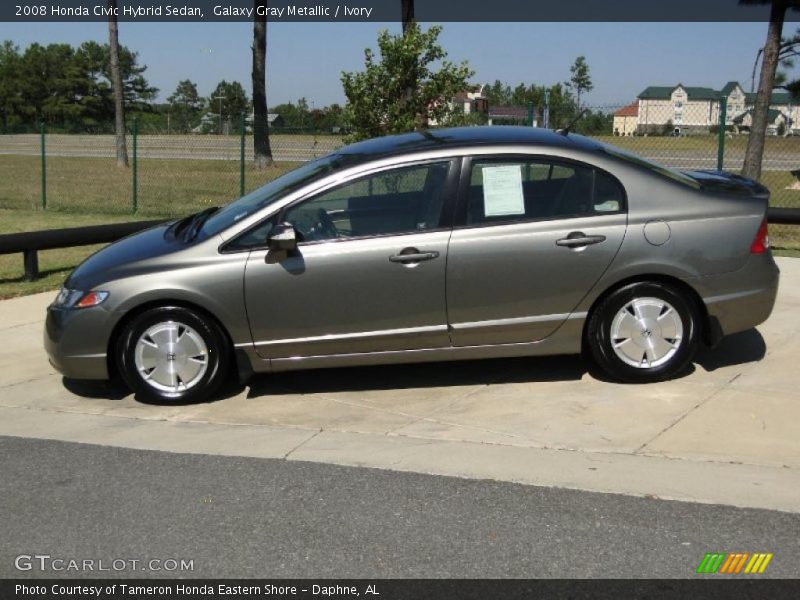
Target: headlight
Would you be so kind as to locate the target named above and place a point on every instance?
(76, 298)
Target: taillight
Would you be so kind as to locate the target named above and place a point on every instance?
(761, 241)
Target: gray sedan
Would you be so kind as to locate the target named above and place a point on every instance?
(449, 244)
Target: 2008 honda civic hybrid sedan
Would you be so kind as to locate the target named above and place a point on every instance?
(449, 244)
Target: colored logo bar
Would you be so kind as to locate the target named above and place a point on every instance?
(734, 563)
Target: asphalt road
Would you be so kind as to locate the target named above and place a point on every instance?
(246, 517)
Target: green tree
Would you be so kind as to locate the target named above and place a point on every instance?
(378, 98)
(334, 117)
(295, 116)
(521, 95)
(11, 100)
(580, 81)
(303, 113)
(497, 93)
(137, 92)
(754, 154)
(67, 87)
(562, 103)
(228, 100)
(788, 52)
(563, 107)
(287, 111)
(184, 106)
(50, 84)
(98, 103)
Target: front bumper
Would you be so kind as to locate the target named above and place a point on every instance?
(76, 341)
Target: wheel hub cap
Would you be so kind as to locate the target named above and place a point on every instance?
(171, 356)
(646, 332)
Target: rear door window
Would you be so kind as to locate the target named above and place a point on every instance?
(503, 191)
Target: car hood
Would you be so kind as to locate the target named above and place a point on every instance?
(728, 183)
(118, 259)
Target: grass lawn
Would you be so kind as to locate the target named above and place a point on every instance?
(96, 185)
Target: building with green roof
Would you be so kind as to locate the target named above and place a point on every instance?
(694, 110)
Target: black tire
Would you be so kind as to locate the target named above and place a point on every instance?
(203, 386)
(601, 346)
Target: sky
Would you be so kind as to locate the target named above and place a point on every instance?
(306, 59)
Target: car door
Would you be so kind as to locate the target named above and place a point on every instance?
(369, 272)
(532, 237)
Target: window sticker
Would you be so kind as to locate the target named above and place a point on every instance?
(502, 191)
(607, 206)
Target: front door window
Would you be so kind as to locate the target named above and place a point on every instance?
(406, 200)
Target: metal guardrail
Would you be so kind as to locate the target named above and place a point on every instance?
(784, 216)
(30, 242)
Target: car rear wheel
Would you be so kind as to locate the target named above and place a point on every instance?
(172, 355)
(643, 332)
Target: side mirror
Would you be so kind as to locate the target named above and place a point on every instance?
(283, 238)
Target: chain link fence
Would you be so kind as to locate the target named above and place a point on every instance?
(167, 174)
(176, 174)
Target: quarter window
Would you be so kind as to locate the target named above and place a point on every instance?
(509, 191)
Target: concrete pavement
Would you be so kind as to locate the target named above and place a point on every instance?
(726, 433)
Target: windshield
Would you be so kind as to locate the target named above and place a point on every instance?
(649, 165)
(270, 193)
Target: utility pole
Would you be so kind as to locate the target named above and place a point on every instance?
(546, 115)
(220, 98)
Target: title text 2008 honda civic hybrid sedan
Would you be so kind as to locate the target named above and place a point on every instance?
(449, 244)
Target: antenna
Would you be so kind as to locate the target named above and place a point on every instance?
(565, 130)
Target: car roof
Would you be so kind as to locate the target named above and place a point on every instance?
(460, 137)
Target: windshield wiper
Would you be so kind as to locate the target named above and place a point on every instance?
(196, 223)
(179, 228)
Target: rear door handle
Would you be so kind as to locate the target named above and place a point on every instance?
(412, 255)
(578, 239)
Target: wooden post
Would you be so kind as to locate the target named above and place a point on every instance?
(31, 259)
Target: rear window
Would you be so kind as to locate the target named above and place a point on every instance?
(661, 170)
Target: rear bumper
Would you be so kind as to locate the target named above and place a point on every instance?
(743, 299)
(76, 341)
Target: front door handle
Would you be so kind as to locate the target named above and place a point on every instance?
(412, 255)
(577, 239)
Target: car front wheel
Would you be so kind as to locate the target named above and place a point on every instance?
(172, 355)
(643, 332)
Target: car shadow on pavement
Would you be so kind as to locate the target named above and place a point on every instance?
(421, 375)
(103, 390)
(737, 349)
